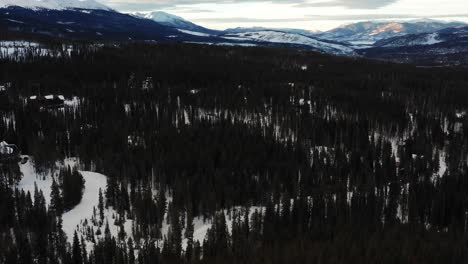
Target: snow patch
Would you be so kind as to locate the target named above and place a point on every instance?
(290, 38)
(31, 178)
(194, 33)
(72, 218)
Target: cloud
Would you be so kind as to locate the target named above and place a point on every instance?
(365, 4)
(386, 17)
(395, 17)
(351, 4)
(145, 5)
(249, 20)
(135, 5)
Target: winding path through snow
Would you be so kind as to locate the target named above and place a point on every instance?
(72, 218)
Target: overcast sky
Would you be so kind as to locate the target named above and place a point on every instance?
(306, 14)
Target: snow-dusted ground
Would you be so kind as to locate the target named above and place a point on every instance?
(84, 210)
(419, 40)
(200, 227)
(72, 102)
(18, 49)
(290, 38)
(31, 178)
(239, 44)
(72, 218)
(8, 118)
(194, 33)
(432, 39)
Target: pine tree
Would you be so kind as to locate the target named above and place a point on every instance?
(189, 236)
(72, 187)
(131, 254)
(175, 237)
(56, 203)
(76, 250)
(101, 207)
(111, 189)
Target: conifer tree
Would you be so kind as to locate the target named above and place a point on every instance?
(56, 203)
(77, 257)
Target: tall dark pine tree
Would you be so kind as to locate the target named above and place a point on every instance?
(56, 203)
(189, 236)
(72, 187)
(131, 254)
(77, 257)
(101, 206)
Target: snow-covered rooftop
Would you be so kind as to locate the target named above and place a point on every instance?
(5, 149)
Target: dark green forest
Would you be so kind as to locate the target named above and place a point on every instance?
(292, 156)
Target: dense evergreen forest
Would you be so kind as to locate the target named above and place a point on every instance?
(284, 156)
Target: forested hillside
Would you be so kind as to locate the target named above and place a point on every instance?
(230, 155)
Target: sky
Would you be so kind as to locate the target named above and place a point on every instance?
(305, 14)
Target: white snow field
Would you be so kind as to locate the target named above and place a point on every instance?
(81, 218)
(194, 33)
(73, 218)
(200, 227)
(291, 38)
(84, 210)
(19, 49)
(31, 178)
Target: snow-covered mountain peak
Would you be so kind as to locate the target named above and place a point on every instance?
(174, 21)
(372, 31)
(54, 4)
(160, 16)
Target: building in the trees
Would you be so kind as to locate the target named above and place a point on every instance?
(8, 152)
(48, 101)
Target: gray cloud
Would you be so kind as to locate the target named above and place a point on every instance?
(136, 6)
(395, 17)
(365, 4)
(249, 20)
(352, 4)
(379, 16)
(145, 5)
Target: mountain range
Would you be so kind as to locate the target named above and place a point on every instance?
(369, 32)
(173, 21)
(444, 47)
(88, 19)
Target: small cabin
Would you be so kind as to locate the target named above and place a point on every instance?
(8, 152)
(460, 115)
(48, 101)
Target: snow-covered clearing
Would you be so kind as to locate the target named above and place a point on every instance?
(290, 38)
(240, 44)
(194, 33)
(77, 216)
(431, 39)
(85, 216)
(19, 49)
(31, 178)
(71, 219)
(201, 227)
